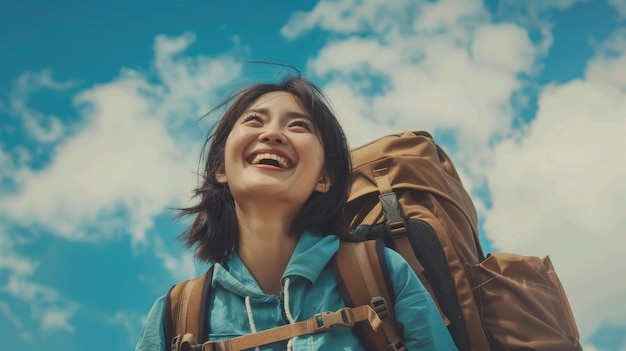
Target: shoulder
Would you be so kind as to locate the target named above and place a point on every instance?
(408, 289)
(152, 335)
(395, 260)
(416, 313)
(400, 272)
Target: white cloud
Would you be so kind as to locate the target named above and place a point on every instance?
(133, 154)
(536, 15)
(53, 320)
(533, 12)
(8, 313)
(350, 108)
(7, 166)
(503, 47)
(181, 266)
(542, 5)
(608, 66)
(10, 260)
(561, 189)
(347, 16)
(130, 322)
(620, 6)
(44, 128)
(52, 311)
(451, 70)
(449, 16)
(6, 310)
(17, 268)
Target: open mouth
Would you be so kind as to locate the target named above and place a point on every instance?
(271, 160)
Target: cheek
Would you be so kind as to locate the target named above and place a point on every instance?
(230, 147)
(318, 156)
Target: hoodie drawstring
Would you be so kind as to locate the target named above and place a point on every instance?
(287, 309)
(250, 318)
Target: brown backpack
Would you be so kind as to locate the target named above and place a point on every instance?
(406, 191)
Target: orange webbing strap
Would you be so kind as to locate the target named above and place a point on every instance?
(185, 305)
(367, 257)
(321, 322)
(397, 230)
(364, 282)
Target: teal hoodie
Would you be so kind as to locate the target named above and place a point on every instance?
(239, 307)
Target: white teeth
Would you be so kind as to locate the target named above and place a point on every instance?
(282, 161)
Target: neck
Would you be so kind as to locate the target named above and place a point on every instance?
(265, 244)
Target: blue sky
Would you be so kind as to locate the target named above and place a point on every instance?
(100, 133)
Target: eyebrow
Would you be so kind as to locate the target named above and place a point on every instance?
(291, 114)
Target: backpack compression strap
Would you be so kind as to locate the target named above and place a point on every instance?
(185, 311)
(362, 282)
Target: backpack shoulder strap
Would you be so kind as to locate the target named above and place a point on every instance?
(363, 279)
(186, 309)
(396, 227)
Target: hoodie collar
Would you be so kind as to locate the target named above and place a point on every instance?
(311, 255)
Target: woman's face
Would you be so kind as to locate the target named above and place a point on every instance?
(273, 152)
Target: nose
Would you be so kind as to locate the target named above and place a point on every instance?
(272, 135)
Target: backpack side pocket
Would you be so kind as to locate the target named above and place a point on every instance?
(523, 305)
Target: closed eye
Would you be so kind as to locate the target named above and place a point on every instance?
(255, 119)
(301, 123)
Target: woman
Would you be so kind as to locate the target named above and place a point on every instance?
(270, 219)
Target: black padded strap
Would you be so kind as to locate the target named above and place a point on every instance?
(168, 324)
(204, 322)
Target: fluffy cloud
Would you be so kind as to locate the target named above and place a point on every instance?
(620, 6)
(441, 66)
(561, 188)
(52, 311)
(15, 265)
(131, 155)
(10, 260)
(43, 128)
(347, 16)
(129, 322)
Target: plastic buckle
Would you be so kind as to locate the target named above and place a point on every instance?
(183, 342)
(395, 222)
(328, 320)
(175, 345)
(400, 346)
(379, 304)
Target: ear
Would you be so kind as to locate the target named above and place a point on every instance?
(220, 175)
(221, 178)
(324, 183)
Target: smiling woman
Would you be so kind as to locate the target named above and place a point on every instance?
(270, 220)
(215, 229)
